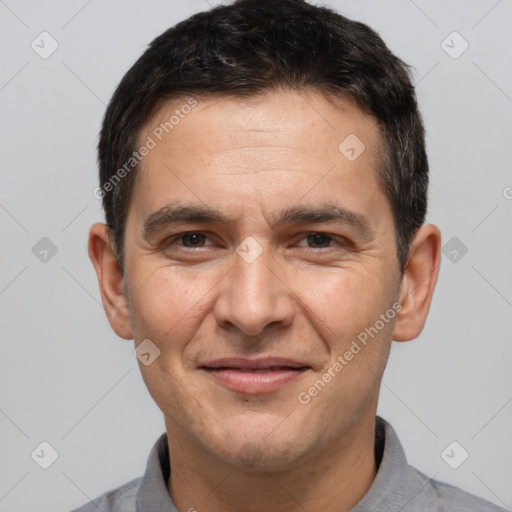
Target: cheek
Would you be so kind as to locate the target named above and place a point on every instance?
(168, 302)
(345, 312)
(341, 302)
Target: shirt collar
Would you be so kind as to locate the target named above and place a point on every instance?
(396, 483)
(393, 487)
(152, 494)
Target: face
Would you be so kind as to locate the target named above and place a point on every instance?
(257, 251)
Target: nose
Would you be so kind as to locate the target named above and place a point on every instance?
(253, 297)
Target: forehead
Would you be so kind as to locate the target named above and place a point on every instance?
(307, 119)
(234, 152)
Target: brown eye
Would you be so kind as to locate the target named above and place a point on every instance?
(193, 239)
(319, 240)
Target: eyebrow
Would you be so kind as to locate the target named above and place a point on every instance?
(178, 213)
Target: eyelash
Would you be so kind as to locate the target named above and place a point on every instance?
(332, 239)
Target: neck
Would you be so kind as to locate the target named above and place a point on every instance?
(335, 479)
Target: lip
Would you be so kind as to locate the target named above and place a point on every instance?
(255, 376)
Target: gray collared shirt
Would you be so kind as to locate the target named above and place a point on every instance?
(397, 486)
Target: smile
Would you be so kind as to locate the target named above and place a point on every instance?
(254, 376)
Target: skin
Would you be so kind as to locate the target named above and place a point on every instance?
(301, 298)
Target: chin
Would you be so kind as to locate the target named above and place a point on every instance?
(257, 456)
(260, 449)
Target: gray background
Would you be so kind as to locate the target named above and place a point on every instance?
(68, 380)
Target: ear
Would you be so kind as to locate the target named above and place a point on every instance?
(418, 282)
(110, 279)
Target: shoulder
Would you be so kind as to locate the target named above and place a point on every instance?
(150, 488)
(121, 499)
(400, 486)
(443, 497)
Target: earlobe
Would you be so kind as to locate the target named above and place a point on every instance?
(418, 282)
(110, 280)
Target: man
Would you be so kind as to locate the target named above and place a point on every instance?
(264, 178)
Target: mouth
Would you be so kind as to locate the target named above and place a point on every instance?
(254, 376)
